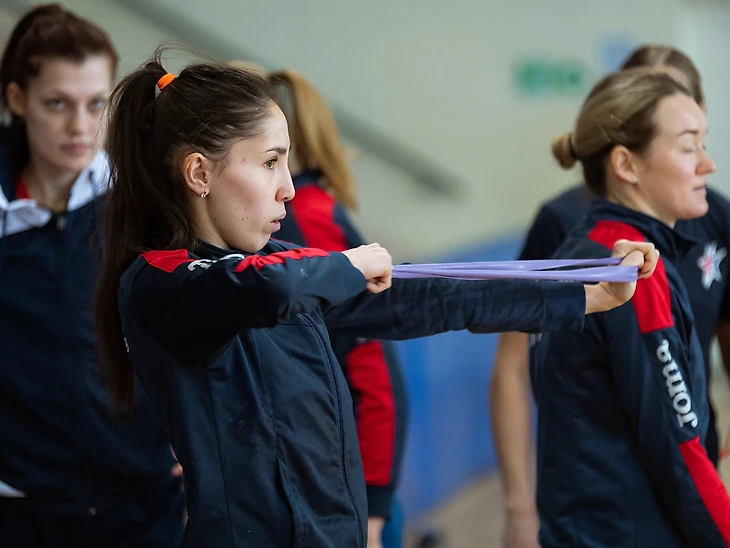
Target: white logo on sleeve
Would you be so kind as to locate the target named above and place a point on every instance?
(200, 263)
(709, 264)
(207, 263)
(676, 388)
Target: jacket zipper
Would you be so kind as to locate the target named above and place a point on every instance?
(78, 377)
(342, 428)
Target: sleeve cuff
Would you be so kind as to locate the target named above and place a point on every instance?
(353, 282)
(565, 306)
(380, 501)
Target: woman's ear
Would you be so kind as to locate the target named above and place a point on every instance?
(623, 164)
(196, 170)
(16, 100)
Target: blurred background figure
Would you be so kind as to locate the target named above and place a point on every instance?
(71, 475)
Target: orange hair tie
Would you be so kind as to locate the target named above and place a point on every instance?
(163, 82)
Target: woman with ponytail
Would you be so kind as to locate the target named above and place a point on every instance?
(71, 474)
(226, 328)
(704, 270)
(622, 406)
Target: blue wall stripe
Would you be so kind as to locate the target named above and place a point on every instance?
(450, 440)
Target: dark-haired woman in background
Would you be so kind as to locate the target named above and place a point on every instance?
(70, 475)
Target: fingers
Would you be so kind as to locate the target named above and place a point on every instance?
(634, 258)
(650, 262)
(387, 277)
(643, 255)
(373, 260)
(376, 285)
(382, 282)
(623, 247)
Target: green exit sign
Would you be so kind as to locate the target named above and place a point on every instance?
(534, 77)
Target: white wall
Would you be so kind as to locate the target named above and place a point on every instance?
(7, 20)
(134, 38)
(437, 76)
(704, 33)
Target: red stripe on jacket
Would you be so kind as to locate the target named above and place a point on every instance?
(167, 260)
(708, 484)
(652, 300)
(170, 260)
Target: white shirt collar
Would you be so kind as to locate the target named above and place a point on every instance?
(25, 213)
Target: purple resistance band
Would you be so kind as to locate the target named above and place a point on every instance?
(581, 270)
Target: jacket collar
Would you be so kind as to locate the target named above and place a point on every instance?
(307, 177)
(25, 213)
(672, 244)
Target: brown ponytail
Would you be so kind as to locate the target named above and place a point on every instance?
(206, 108)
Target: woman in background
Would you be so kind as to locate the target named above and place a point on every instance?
(70, 475)
(622, 405)
(703, 271)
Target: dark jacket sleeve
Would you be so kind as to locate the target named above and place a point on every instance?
(655, 386)
(194, 307)
(421, 307)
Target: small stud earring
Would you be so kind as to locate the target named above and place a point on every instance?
(635, 179)
(204, 193)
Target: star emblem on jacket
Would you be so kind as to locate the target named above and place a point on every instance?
(709, 264)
